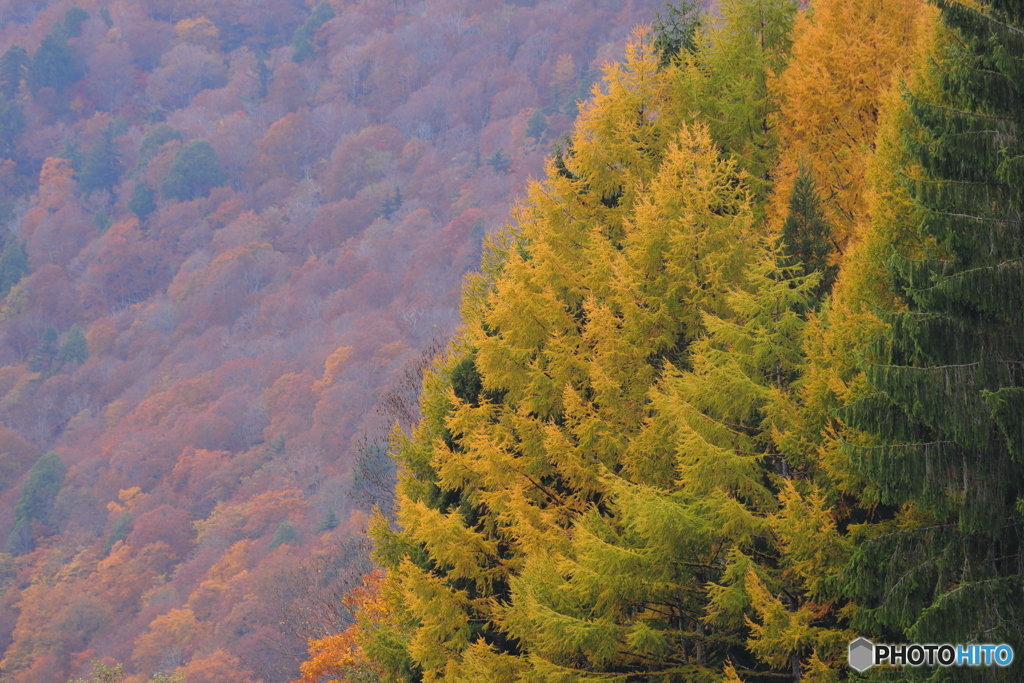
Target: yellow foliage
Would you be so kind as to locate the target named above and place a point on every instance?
(198, 31)
(171, 633)
(335, 362)
(128, 498)
(846, 57)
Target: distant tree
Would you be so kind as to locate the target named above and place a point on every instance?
(302, 40)
(329, 523)
(53, 65)
(13, 68)
(193, 173)
(155, 138)
(74, 17)
(391, 204)
(120, 530)
(261, 73)
(142, 203)
(44, 353)
(101, 221)
(12, 122)
(500, 161)
(72, 153)
(101, 167)
(38, 494)
(185, 70)
(198, 31)
(536, 125)
(286, 534)
(74, 349)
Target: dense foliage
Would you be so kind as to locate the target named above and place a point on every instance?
(234, 233)
(741, 378)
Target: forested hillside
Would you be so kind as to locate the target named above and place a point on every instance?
(741, 380)
(234, 233)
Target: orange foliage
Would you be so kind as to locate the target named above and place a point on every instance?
(170, 636)
(335, 362)
(831, 94)
(339, 656)
(216, 667)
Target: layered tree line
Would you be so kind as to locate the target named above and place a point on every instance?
(233, 234)
(741, 379)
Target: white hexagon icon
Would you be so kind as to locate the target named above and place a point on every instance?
(862, 654)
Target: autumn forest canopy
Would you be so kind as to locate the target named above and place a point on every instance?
(288, 392)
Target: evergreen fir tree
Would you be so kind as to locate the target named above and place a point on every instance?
(807, 235)
(330, 522)
(391, 203)
(942, 435)
(142, 203)
(13, 69)
(45, 352)
(122, 527)
(13, 265)
(675, 29)
(72, 153)
(53, 65)
(101, 167)
(12, 122)
(38, 494)
(262, 74)
(286, 534)
(101, 221)
(499, 161)
(193, 173)
(74, 17)
(536, 124)
(74, 349)
(302, 40)
(154, 139)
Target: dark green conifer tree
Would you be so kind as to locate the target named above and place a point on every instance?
(329, 523)
(675, 29)
(500, 161)
(122, 527)
(74, 349)
(537, 124)
(262, 74)
(43, 354)
(193, 173)
(102, 166)
(286, 534)
(74, 17)
(154, 139)
(38, 494)
(12, 122)
(13, 265)
(806, 234)
(13, 68)
(943, 437)
(142, 203)
(302, 41)
(53, 65)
